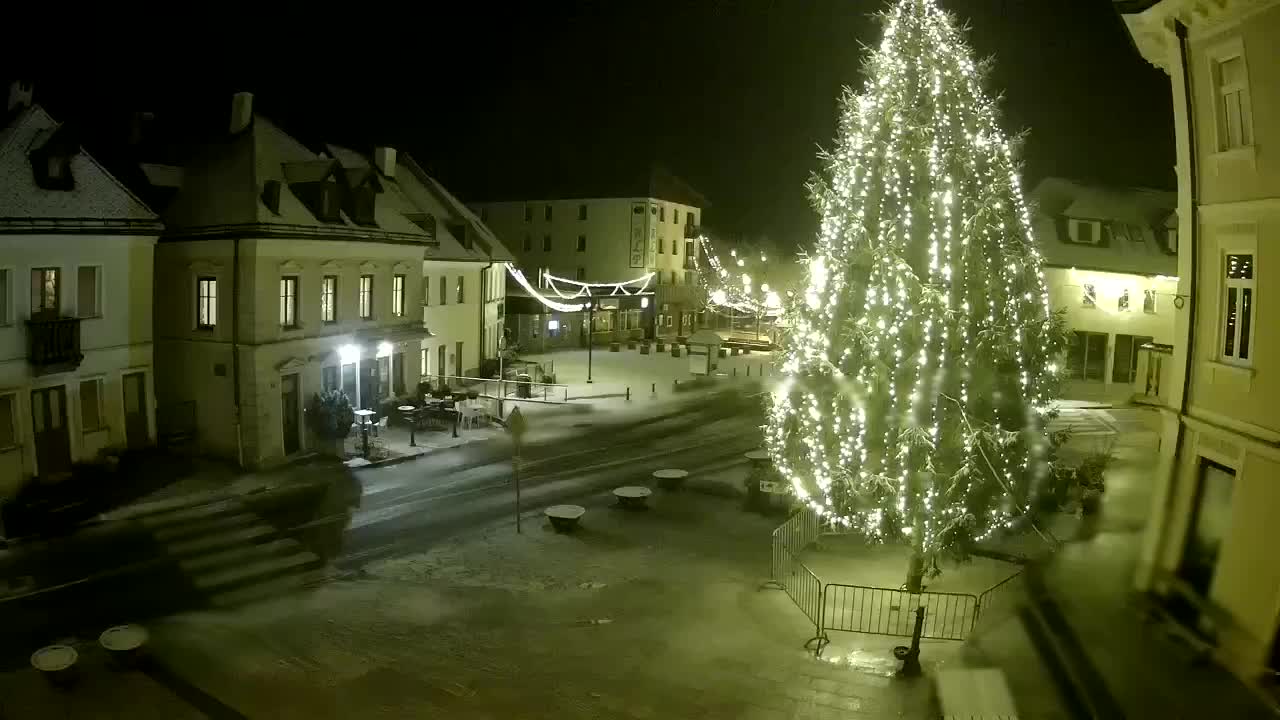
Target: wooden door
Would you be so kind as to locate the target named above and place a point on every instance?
(289, 396)
(136, 427)
(49, 425)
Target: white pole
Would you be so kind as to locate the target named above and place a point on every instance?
(358, 405)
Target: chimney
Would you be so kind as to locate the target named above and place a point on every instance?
(241, 111)
(384, 158)
(19, 95)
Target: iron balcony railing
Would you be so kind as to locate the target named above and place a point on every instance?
(54, 342)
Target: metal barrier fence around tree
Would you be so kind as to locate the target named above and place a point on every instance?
(864, 609)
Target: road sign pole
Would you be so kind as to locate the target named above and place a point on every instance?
(516, 425)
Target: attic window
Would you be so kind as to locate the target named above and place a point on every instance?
(362, 205)
(1086, 232)
(330, 202)
(52, 169)
(426, 221)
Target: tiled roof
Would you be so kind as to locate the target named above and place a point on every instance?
(96, 195)
(1135, 219)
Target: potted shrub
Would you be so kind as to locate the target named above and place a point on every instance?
(329, 416)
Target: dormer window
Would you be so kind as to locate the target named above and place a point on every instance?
(52, 169)
(329, 202)
(362, 205)
(1085, 232)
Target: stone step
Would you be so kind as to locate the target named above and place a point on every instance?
(205, 526)
(191, 514)
(238, 554)
(222, 540)
(259, 570)
(274, 587)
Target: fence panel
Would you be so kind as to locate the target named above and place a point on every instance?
(881, 611)
(998, 599)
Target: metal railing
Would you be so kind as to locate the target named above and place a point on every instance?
(510, 388)
(881, 611)
(872, 610)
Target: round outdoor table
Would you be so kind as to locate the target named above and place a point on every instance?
(632, 496)
(757, 457)
(123, 642)
(670, 478)
(57, 663)
(564, 518)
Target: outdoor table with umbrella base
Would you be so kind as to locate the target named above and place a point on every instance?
(362, 417)
(410, 413)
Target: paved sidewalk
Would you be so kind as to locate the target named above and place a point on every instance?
(1097, 626)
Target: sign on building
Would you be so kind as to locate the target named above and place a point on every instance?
(639, 234)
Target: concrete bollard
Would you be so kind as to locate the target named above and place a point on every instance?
(653, 388)
(748, 371)
(735, 372)
(628, 393)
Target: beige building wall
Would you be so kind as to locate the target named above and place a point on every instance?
(450, 321)
(115, 342)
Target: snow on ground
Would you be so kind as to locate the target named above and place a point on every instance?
(655, 613)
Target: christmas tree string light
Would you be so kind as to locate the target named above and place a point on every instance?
(919, 366)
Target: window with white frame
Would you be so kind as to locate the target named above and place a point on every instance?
(6, 297)
(1149, 301)
(1238, 301)
(329, 298)
(89, 291)
(422, 363)
(397, 295)
(289, 301)
(8, 427)
(206, 302)
(46, 291)
(1085, 232)
(91, 405)
(366, 297)
(1090, 296)
(1231, 91)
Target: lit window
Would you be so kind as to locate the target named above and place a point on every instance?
(1090, 297)
(366, 297)
(1149, 301)
(1237, 318)
(460, 293)
(206, 302)
(329, 298)
(1234, 115)
(46, 291)
(397, 295)
(289, 302)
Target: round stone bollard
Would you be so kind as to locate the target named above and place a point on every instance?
(644, 348)
(615, 347)
(662, 345)
(675, 351)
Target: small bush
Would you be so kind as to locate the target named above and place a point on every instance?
(329, 415)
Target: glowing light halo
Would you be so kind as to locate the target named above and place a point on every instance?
(725, 294)
(529, 288)
(619, 289)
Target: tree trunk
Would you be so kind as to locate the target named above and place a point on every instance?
(915, 571)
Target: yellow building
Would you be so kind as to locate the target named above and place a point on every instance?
(1211, 545)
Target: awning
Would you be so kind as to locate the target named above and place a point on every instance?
(396, 334)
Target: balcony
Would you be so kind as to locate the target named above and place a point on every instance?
(53, 344)
(1151, 382)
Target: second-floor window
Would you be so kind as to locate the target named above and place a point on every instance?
(582, 211)
(1090, 296)
(1235, 126)
(46, 291)
(206, 302)
(366, 297)
(460, 294)
(1149, 301)
(329, 298)
(675, 247)
(397, 295)
(662, 213)
(444, 289)
(662, 243)
(582, 243)
(546, 213)
(1123, 303)
(675, 216)
(1237, 318)
(528, 214)
(289, 302)
(581, 274)
(426, 292)
(688, 249)
(89, 291)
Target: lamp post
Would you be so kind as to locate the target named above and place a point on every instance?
(502, 390)
(591, 326)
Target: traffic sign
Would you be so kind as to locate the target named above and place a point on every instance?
(516, 424)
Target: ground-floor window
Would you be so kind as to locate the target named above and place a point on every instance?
(1210, 520)
(8, 428)
(1087, 357)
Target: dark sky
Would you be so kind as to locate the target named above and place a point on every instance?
(735, 97)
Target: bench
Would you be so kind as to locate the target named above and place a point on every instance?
(632, 496)
(565, 518)
(671, 478)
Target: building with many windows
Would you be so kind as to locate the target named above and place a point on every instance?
(75, 302)
(1209, 550)
(285, 270)
(1111, 262)
(602, 232)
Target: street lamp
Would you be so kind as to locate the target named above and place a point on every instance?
(591, 326)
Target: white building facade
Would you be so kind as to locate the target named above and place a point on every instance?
(1111, 264)
(75, 303)
(1210, 543)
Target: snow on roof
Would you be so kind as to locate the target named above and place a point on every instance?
(95, 196)
(1133, 219)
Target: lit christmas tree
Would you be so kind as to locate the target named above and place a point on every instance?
(921, 361)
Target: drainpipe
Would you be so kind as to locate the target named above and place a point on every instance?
(484, 304)
(235, 346)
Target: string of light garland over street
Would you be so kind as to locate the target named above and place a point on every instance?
(736, 290)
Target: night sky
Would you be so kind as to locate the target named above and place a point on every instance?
(736, 97)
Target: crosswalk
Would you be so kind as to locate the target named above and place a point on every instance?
(229, 553)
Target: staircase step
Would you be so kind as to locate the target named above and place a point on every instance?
(222, 540)
(277, 586)
(191, 514)
(239, 554)
(258, 570)
(216, 524)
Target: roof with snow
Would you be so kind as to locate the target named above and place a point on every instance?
(1134, 226)
(92, 197)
